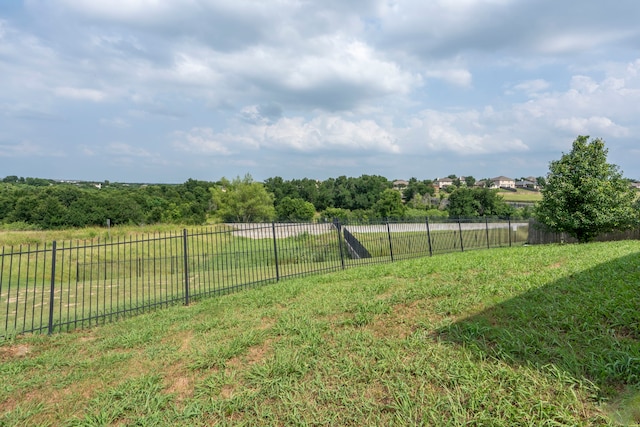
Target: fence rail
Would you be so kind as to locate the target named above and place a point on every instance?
(67, 285)
(541, 235)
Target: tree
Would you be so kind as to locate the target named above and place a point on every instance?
(462, 204)
(584, 195)
(290, 209)
(420, 188)
(490, 203)
(389, 205)
(467, 202)
(330, 214)
(243, 200)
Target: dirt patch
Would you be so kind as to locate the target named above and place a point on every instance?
(186, 342)
(266, 323)
(14, 352)
(180, 385)
(254, 355)
(227, 391)
(400, 323)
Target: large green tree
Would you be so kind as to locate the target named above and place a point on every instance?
(294, 209)
(389, 205)
(584, 195)
(243, 200)
(467, 202)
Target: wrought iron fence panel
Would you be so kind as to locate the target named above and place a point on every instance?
(66, 285)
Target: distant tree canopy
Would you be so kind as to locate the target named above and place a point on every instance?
(467, 202)
(243, 200)
(389, 205)
(584, 195)
(342, 192)
(68, 205)
(45, 204)
(421, 189)
(295, 210)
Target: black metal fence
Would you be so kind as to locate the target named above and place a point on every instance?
(66, 285)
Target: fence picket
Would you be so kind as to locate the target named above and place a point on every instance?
(105, 280)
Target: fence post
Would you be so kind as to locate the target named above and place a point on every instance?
(390, 244)
(429, 237)
(275, 250)
(336, 223)
(186, 267)
(509, 220)
(53, 284)
(460, 229)
(486, 223)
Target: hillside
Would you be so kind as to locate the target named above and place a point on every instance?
(515, 336)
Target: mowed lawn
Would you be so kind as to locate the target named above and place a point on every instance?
(534, 335)
(521, 196)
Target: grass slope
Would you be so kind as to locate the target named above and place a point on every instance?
(521, 196)
(546, 335)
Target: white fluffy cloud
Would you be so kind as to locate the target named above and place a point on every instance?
(464, 133)
(325, 133)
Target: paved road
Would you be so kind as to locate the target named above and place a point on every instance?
(283, 230)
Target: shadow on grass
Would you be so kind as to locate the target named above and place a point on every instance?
(586, 324)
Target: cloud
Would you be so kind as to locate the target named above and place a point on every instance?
(532, 87)
(579, 40)
(127, 155)
(115, 122)
(329, 133)
(122, 149)
(28, 149)
(330, 72)
(455, 76)
(261, 114)
(592, 126)
(324, 133)
(465, 133)
(203, 141)
(80, 93)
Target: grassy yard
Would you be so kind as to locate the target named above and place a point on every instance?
(521, 196)
(534, 335)
(15, 238)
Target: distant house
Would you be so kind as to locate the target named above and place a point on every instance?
(443, 182)
(503, 182)
(526, 184)
(400, 184)
(636, 185)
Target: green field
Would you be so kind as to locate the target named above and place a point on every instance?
(533, 335)
(521, 196)
(99, 280)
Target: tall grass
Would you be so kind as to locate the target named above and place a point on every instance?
(544, 335)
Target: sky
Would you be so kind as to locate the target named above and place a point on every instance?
(160, 91)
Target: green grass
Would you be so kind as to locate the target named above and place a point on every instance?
(521, 196)
(534, 335)
(99, 281)
(408, 244)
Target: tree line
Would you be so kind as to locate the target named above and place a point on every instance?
(48, 204)
(64, 205)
